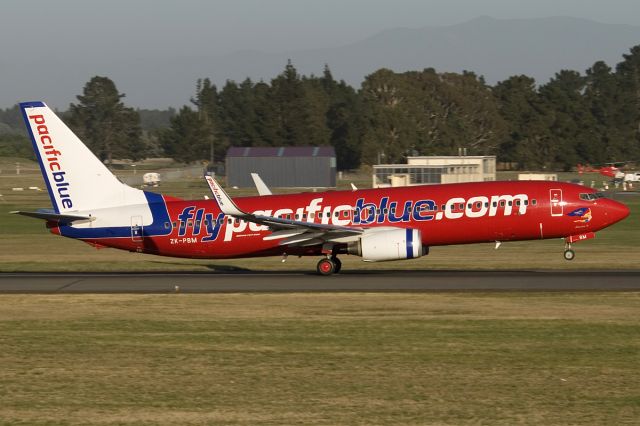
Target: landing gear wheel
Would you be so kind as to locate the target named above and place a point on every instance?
(326, 267)
(337, 263)
(569, 254)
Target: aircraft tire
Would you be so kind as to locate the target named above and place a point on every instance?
(326, 267)
(569, 254)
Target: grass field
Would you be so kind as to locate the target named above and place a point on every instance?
(346, 358)
(25, 244)
(501, 358)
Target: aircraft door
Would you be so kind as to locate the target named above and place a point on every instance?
(555, 200)
(136, 228)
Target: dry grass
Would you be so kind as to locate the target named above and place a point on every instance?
(502, 358)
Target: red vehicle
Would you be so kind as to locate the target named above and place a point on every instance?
(92, 205)
(610, 170)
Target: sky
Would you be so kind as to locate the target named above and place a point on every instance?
(60, 33)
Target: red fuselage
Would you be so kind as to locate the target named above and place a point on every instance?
(445, 214)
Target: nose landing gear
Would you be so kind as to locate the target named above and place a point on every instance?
(568, 253)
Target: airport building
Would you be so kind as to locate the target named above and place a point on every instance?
(282, 167)
(435, 170)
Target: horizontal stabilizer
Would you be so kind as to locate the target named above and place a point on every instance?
(55, 217)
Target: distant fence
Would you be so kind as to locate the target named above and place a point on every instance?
(166, 175)
(129, 177)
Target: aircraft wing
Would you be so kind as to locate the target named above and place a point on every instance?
(289, 231)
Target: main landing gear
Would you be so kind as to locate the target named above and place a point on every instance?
(329, 265)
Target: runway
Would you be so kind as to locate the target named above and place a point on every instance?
(416, 281)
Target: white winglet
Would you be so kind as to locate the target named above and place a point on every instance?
(262, 188)
(353, 187)
(227, 206)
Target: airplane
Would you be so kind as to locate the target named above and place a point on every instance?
(90, 204)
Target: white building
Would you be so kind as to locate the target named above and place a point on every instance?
(538, 176)
(435, 170)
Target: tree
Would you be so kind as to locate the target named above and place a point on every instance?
(627, 119)
(528, 141)
(101, 120)
(238, 117)
(389, 128)
(572, 128)
(428, 113)
(600, 98)
(291, 100)
(343, 120)
(187, 138)
(206, 100)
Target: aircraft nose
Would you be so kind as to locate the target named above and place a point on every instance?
(616, 211)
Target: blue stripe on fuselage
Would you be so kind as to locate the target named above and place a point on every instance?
(159, 213)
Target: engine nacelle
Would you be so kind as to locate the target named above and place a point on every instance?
(392, 244)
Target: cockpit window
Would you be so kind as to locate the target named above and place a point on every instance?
(591, 196)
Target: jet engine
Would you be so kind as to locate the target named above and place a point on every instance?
(391, 244)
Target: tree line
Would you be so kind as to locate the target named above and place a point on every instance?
(591, 117)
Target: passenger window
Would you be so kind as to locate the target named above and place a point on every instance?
(166, 225)
(533, 202)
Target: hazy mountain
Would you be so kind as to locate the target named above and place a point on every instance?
(495, 48)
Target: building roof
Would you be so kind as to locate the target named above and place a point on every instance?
(282, 151)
